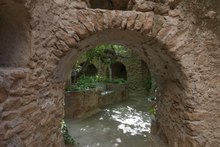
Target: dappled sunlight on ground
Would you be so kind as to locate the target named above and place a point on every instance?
(123, 125)
(132, 122)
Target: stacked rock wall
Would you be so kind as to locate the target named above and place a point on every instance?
(182, 55)
(137, 73)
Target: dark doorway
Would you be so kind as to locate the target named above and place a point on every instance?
(119, 71)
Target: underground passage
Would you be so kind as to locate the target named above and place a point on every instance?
(169, 82)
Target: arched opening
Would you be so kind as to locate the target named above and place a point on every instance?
(110, 106)
(168, 78)
(119, 71)
(14, 34)
(91, 70)
(87, 69)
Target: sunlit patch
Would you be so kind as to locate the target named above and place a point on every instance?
(105, 129)
(133, 122)
(118, 140)
(83, 129)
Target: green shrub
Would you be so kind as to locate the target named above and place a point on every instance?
(151, 88)
(70, 88)
(67, 137)
(85, 83)
(152, 110)
(151, 85)
(117, 81)
(89, 82)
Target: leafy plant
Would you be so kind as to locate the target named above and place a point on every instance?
(151, 85)
(152, 110)
(117, 81)
(86, 82)
(89, 82)
(100, 51)
(70, 88)
(67, 137)
(100, 78)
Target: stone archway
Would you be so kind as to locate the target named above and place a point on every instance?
(158, 46)
(164, 71)
(32, 98)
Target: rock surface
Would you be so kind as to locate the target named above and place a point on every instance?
(182, 51)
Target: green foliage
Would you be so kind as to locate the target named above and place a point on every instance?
(107, 54)
(117, 81)
(152, 110)
(151, 87)
(121, 50)
(100, 78)
(70, 88)
(67, 137)
(77, 66)
(85, 83)
(150, 84)
(97, 52)
(89, 82)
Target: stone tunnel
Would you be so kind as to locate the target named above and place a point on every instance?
(40, 40)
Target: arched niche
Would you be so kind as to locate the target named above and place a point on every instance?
(118, 70)
(15, 34)
(91, 70)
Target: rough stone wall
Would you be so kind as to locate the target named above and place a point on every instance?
(136, 80)
(28, 112)
(183, 57)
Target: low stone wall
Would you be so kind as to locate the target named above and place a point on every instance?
(80, 104)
